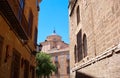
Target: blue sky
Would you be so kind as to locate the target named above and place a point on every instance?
(53, 14)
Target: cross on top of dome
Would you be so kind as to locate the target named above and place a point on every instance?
(54, 32)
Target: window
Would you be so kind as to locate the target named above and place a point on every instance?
(21, 4)
(68, 57)
(26, 69)
(78, 15)
(37, 4)
(68, 70)
(22, 62)
(30, 23)
(84, 45)
(7, 53)
(79, 45)
(15, 69)
(1, 45)
(56, 58)
(54, 44)
(20, 11)
(35, 36)
(33, 72)
(57, 65)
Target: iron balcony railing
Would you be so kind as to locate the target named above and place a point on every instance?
(10, 9)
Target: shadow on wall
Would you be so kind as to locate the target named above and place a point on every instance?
(82, 75)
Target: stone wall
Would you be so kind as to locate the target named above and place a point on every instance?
(100, 21)
(106, 68)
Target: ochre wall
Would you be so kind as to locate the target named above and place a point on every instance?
(11, 39)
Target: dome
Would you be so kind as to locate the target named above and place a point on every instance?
(54, 37)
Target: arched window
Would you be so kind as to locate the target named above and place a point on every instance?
(84, 45)
(78, 15)
(79, 45)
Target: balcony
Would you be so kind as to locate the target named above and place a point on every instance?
(10, 10)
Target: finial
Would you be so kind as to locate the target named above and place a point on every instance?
(54, 31)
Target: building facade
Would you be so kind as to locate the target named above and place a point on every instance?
(94, 38)
(18, 38)
(59, 51)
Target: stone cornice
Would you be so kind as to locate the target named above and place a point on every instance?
(107, 53)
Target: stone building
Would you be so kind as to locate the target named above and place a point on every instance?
(59, 50)
(18, 38)
(94, 38)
